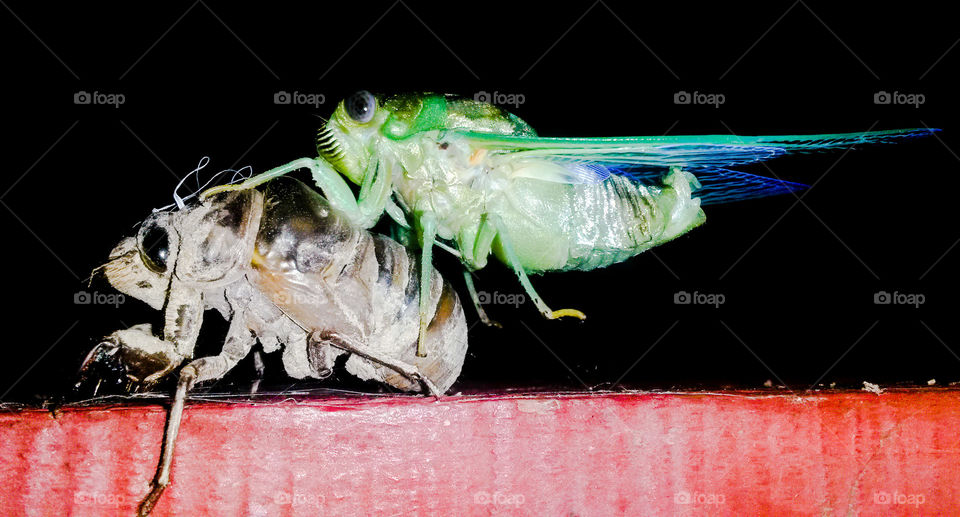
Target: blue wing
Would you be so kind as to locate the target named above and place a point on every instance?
(719, 185)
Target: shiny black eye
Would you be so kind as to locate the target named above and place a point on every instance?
(155, 248)
(360, 106)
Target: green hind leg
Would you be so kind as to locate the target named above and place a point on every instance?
(517, 267)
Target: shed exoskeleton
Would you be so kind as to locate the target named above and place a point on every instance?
(286, 270)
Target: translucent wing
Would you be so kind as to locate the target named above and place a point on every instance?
(686, 151)
(724, 186)
(647, 158)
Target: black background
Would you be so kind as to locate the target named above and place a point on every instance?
(799, 279)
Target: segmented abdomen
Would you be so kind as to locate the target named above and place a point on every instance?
(328, 275)
(562, 227)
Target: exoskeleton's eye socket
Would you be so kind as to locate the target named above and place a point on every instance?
(155, 248)
(361, 106)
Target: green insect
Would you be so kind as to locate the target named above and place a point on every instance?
(476, 179)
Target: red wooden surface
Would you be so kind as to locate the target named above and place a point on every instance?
(840, 453)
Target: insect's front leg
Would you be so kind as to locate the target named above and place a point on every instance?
(364, 210)
(238, 344)
(263, 177)
(145, 358)
(141, 357)
(183, 317)
(363, 213)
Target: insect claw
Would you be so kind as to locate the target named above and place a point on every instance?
(428, 386)
(421, 341)
(487, 320)
(146, 506)
(566, 313)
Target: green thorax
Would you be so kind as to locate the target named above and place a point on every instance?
(412, 114)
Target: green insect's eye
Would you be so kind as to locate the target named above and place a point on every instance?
(155, 248)
(360, 106)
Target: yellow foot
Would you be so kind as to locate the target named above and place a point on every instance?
(566, 313)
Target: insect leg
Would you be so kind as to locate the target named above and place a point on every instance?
(476, 243)
(428, 232)
(237, 345)
(327, 179)
(259, 369)
(183, 317)
(364, 210)
(146, 357)
(409, 371)
(162, 477)
(396, 213)
(374, 192)
(263, 177)
(468, 278)
(525, 281)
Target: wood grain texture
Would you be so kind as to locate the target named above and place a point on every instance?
(730, 453)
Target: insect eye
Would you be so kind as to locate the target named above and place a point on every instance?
(360, 106)
(155, 248)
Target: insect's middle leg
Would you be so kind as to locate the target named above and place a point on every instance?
(172, 428)
(475, 298)
(238, 344)
(517, 267)
(476, 244)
